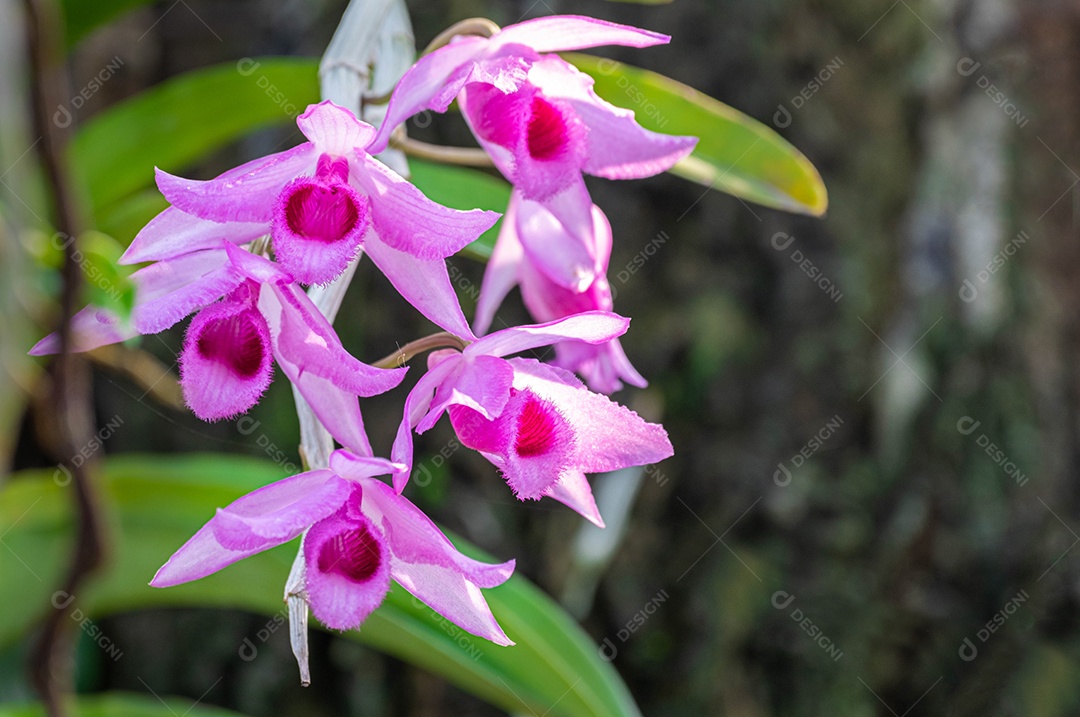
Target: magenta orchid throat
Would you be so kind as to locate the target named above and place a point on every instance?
(237, 252)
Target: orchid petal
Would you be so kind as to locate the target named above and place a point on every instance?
(279, 512)
(594, 327)
(481, 383)
(408, 221)
(307, 340)
(427, 85)
(572, 489)
(423, 283)
(417, 405)
(271, 515)
(226, 365)
(173, 232)
(333, 129)
(349, 465)
(610, 436)
(169, 290)
(532, 443)
(557, 244)
(559, 33)
(347, 571)
(335, 408)
(91, 327)
(427, 564)
(244, 194)
(502, 272)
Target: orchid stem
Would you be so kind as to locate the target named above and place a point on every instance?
(479, 26)
(51, 657)
(441, 340)
(464, 156)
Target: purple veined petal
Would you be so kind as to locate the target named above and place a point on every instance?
(427, 564)
(502, 272)
(431, 83)
(423, 283)
(169, 290)
(349, 465)
(319, 223)
(91, 327)
(337, 409)
(347, 571)
(226, 363)
(408, 221)
(244, 194)
(481, 383)
(417, 405)
(558, 33)
(594, 327)
(172, 233)
(610, 436)
(333, 129)
(572, 489)
(308, 341)
(281, 510)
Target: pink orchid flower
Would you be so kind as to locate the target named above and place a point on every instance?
(248, 310)
(322, 202)
(539, 119)
(604, 366)
(360, 535)
(537, 423)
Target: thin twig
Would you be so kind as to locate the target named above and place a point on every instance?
(464, 156)
(49, 671)
(480, 26)
(441, 340)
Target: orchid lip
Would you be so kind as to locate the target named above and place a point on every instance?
(226, 364)
(319, 223)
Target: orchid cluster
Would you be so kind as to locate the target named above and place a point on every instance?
(237, 251)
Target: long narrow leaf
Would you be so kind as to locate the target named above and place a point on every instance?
(185, 119)
(735, 153)
(554, 669)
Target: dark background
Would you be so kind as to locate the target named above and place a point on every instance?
(898, 538)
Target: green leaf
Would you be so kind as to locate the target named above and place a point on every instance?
(463, 188)
(735, 153)
(82, 17)
(157, 504)
(119, 704)
(184, 119)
